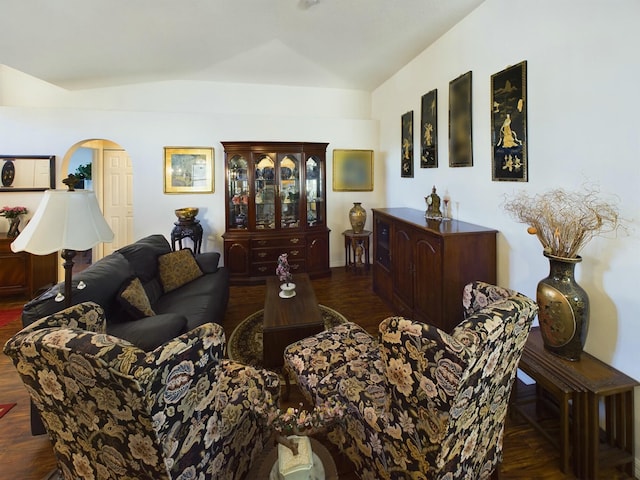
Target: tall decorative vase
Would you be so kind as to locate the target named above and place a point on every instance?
(14, 223)
(564, 309)
(357, 217)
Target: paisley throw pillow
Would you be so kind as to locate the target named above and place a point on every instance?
(177, 268)
(134, 299)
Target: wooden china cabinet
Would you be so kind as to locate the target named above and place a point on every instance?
(275, 203)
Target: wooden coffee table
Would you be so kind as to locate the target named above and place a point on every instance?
(287, 320)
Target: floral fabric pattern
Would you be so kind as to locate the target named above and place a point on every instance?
(421, 403)
(114, 411)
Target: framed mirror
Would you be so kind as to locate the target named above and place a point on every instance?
(27, 173)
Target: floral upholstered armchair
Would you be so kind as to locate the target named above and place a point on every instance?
(421, 403)
(114, 411)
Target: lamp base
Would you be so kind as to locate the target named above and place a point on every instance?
(67, 255)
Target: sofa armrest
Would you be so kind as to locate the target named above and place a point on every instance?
(87, 316)
(208, 261)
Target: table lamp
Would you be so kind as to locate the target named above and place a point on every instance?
(66, 221)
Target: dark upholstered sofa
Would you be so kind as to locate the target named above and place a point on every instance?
(200, 300)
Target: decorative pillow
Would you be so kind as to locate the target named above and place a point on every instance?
(134, 299)
(177, 268)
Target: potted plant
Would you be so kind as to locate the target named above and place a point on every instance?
(83, 173)
(564, 222)
(13, 214)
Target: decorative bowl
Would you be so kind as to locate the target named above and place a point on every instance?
(187, 213)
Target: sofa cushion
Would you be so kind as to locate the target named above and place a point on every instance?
(202, 300)
(133, 298)
(150, 332)
(177, 268)
(143, 256)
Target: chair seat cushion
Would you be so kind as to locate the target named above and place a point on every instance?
(313, 358)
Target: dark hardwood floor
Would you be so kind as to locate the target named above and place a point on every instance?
(527, 454)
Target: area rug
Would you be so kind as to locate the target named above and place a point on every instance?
(9, 315)
(245, 343)
(5, 407)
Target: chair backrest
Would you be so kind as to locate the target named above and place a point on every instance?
(456, 386)
(495, 332)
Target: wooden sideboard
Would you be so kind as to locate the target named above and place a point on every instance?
(22, 273)
(421, 266)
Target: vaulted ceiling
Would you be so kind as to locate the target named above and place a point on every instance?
(353, 44)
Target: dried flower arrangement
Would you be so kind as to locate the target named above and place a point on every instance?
(13, 212)
(564, 222)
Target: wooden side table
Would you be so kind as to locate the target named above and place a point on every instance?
(192, 230)
(585, 383)
(356, 246)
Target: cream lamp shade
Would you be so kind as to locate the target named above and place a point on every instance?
(64, 220)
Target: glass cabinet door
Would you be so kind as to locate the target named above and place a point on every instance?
(265, 188)
(238, 192)
(289, 173)
(314, 189)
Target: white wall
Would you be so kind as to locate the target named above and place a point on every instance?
(583, 124)
(145, 118)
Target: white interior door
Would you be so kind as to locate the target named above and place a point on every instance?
(118, 198)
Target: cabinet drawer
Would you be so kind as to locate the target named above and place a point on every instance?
(281, 242)
(261, 269)
(272, 254)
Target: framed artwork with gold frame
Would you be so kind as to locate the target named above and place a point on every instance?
(188, 170)
(352, 170)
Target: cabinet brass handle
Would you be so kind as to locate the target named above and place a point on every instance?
(262, 242)
(295, 266)
(294, 253)
(262, 254)
(294, 240)
(262, 269)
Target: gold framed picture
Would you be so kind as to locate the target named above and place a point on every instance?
(188, 170)
(352, 170)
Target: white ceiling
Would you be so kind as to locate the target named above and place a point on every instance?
(353, 44)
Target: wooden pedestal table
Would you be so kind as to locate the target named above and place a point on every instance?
(192, 230)
(586, 383)
(287, 320)
(356, 248)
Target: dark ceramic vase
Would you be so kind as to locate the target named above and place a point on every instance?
(564, 309)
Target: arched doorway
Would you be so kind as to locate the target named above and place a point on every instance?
(110, 176)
